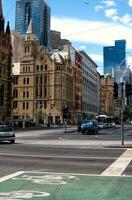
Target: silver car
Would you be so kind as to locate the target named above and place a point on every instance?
(7, 134)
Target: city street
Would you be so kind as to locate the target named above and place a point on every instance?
(57, 151)
(67, 164)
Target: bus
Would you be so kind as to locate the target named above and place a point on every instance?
(107, 120)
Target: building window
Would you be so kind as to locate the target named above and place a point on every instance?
(45, 67)
(23, 105)
(41, 67)
(41, 80)
(15, 80)
(37, 67)
(40, 92)
(15, 93)
(36, 80)
(27, 80)
(27, 94)
(45, 79)
(45, 92)
(24, 81)
(23, 94)
(27, 105)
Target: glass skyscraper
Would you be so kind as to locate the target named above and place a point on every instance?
(115, 57)
(40, 13)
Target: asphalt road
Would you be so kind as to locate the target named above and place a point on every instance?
(56, 151)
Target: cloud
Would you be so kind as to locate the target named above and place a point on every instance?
(130, 3)
(96, 57)
(93, 32)
(110, 12)
(109, 3)
(126, 19)
(98, 8)
(129, 60)
(82, 47)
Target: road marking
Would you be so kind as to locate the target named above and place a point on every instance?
(5, 178)
(62, 157)
(118, 167)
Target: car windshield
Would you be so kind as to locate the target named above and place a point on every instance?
(88, 122)
(5, 129)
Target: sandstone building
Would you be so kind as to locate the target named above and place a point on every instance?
(43, 86)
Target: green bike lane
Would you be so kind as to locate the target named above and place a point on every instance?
(59, 186)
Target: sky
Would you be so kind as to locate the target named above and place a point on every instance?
(89, 25)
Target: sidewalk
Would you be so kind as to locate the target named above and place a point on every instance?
(61, 142)
(47, 128)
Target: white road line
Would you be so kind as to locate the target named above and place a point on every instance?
(119, 165)
(58, 156)
(5, 178)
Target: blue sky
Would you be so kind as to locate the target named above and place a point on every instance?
(90, 24)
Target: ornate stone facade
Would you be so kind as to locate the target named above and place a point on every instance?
(44, 84)
(106, 95)
(5, 69)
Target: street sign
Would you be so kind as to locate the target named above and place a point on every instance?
(45, 186)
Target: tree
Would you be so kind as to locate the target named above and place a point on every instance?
(128, 113)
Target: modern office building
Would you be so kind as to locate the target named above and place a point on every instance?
(90, 87)
(115, 58)
(40, 13)
(56, 41)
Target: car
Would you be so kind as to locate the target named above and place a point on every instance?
(7, 134)
(90, 126)
(102, 125)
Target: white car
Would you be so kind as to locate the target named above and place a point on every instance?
(102, 125)
(7, 134)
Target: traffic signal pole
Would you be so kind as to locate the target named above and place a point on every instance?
(122, 106)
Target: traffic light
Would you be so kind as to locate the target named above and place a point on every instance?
(128, 89)
(115, 90)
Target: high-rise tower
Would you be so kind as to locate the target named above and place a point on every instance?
(40, 13)
(115, 57)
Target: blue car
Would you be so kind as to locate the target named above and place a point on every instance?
(90, 126)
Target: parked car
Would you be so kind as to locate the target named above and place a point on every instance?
(90, 126)
(7, 134)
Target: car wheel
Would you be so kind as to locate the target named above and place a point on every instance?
(83, 132)
(12, 141)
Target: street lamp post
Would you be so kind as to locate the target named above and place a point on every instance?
(122, 104)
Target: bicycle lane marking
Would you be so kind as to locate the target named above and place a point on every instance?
(36, 185)
(119, 166)
(5, 178)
